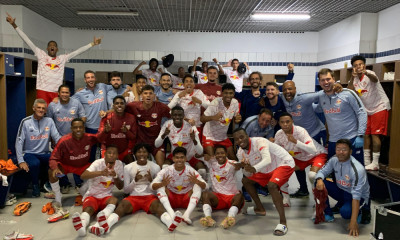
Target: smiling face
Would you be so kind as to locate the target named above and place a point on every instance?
(212, 75)
(289, 90)
(148, 97)
(227, 96)
(286, 124)
(255, 81)
(64, 94)
(140, 83)
(165, 82)
(326, 81)
(90, 80)
(264, 120)
(77, 129)
(116, 82)
(188, 85)
(241, 139)
(359, 66)
(177, 117)
(204, 65)
(52, 49)
(119, 106)
(220, 156)
(179, 160)
(153, 65)
(343, 152)
(141, 156)
(271, 92)
(40, 109)
(111, 156)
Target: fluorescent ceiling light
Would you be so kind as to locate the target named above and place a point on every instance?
(294, 16)
(103, 13)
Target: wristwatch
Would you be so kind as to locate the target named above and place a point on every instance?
(318, 179)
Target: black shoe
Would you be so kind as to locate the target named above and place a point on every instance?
(300, 194)
(365, 216)
(335, 210)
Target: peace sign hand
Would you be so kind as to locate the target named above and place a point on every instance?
(166, 132)
(107, 127)
(166, 180)
(148, 176)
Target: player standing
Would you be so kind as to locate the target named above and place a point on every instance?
(153, 77)
(211, 89)
(233, 76)
(201, 75)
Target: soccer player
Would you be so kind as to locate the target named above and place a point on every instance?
(181, 134)
(71, 155)
(225, 194)
(201, 75)
(137, 179)
(233, 76)
(211, 89)
(32, 144)
(103, 174)
(179, 185)
(118, 128)
(190, 100)
(116, 88)
(50, 71)
(273, 102)
(249, 99)
(164, 92)
(153, 77)
(259, 125)
(344, 107)
(366, 84)
(269, 165)
(149, 115)
(351, 188)
(217, 119)
(135, 95)
(304, 149)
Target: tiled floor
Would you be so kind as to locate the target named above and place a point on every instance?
(145, 227)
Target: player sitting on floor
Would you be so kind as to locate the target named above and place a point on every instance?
(103, 174)
(179, 185)
(225, 194)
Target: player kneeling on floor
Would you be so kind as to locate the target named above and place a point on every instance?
(179, 185)
(103, 174)
(225, 194)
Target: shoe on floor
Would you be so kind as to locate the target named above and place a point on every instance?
(47, 187)
(50, 195)
(35, 190)
(335, 210)
(247, 197)
(65, 189)
(300, 194)
(365, 216)
(11, 200)
(372, 167)
(59, 212)
(77, 188)
(328, 218)
(17, 235)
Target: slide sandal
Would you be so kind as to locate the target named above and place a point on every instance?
(282, 228)
(250, 211)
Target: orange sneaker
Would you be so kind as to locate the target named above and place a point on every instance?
(22, 208)
(78, 200)
(46, 207)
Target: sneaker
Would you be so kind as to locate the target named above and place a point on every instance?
(65, 189)
(335, 210)
(300, 194)
(35, 190)
(77, 188)
(328, 218)
(59, 212)
(365, 216)
(247, 197)
(47, 187)
(50, 195)
(11, 200)
(372, 167)
(17, 235)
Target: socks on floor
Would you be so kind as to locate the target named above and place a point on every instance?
(80, 222)
(233, 211)
(108, 209)
(162, 196)
(194, 199)
(207, 210)
(56, 189)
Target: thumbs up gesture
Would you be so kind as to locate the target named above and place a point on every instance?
(217, 116)
(166, 132)
(124, 129)
(107, 126)
(238, 118)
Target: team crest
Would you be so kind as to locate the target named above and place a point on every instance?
(219, 92)
(128, 127)
(298, 107)
(72, 111)
(184, 135)
(154, 115)
(100, 91)
(169, 99)
(87, 147)
(338, 102)
(46, 128)
(138, 115)
(347, 177)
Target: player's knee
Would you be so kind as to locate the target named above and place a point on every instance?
(345, 211)
(112, 200)
(272, 187)
(245, 181)
(311, 177)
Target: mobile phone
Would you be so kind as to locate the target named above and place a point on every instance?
(60, 175)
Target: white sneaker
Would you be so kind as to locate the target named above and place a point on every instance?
(372, 167)
(367, 162)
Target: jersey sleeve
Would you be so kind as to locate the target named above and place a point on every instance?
(174, 101)
(101, 134)
(55, 135)
(306, 142)
(145, 73)
(159, 141)
(81, 110)
(56, 155)
(263, 148)
(49, 112)
(310, 98)
(19, 143)
(78, 51)
(326, 169)
(358, 181)
(211, 110)
(359, 110)
(165, 111)
(278, 137)
(94, 166)
(158, 178)
(26, 39)
(204, 100)
(129, 184)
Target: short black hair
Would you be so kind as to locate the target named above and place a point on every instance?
(177, 108)
(141, 145)
(88, 71)
(140, 77)
(51, 42)
(235, 59)
(179, 150)
(266, 111)
(115, 74)
(358, 57)
(240, 129)
(63, 86)
(228, 86)
(212, 67)
(344, 141)
(285, 114)
(165, 74)
(153, 60)
(272, 84)
(220, 146)
(187, 76)
(111, 145)
(77, 120)
(147, 87)
(119, 97)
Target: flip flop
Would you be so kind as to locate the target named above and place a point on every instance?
(282, 228)
(250, 211)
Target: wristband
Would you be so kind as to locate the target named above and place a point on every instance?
(318, 179)
(217, 63)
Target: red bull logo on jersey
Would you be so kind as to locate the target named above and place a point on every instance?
(80, 156)
(180, 144)
(191, 103)
(87, 147)
(361, 92)
(332, 110)
(107, 184)
(147, 124)
(234, 77)
(343, 183)
(40, 137)
(298, 107)
(338, 102)
(204, 79)
(152, 80)
(295, 114)
(179, 84)
(52, 66)
(46, 128)
(226, 121)
(72, 111)
(293, 153)
(100, 91)
(347, 177)
(219, 178)
(180, 188)
(119, 135)
(219, 92)
(169, 99)
(65, 119)
(97, 100)
(154, 115)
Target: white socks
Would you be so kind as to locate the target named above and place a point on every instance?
(162, 196)
(285, 194)
(233, 211)
(194, 199)
(56, 189)
(166, 219)
(207, 210)
(311, 177)
(80, 222)
(367, 157)
(109, 209)
(375, 162)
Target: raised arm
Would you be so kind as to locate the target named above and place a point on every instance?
(221, 70)
(20, 33)
(137, 71)
(96, 41)
(196, 61)
(290, 75)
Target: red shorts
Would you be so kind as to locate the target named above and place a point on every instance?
(209, 143)
(155, 150)
(95, 203)
(193, 161)
(224, 201)
(47, 96)
(317, 161)
(121, 156)
(200, 130)
(141, 202)
(279, 176)
(71, 169)
(178, 200)
(377, 123)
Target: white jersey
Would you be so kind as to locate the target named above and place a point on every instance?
(101, 187)
(132, 97)
(236, 78)
(180, 137)
(153, 78)
(222, 177)
(279, 156)
(180, 180)
(192, 110)
(202, 77)
(217, 130)
(142, 187)
(371, 94)
(304, 141)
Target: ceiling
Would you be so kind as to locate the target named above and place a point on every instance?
(200, 15)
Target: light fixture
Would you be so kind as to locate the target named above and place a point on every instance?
(287, 16)
(105, 13)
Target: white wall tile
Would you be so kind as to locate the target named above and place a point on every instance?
(160, 55)
(313, 57)
(84, 55)
(177, 56)
(17, 41)
(290, 57)
(312, 70)
(138, 55)
(107, 54)
(222, 57)
(123, 55)
(260, 57)
(146, 55)
(275, 57)
(115, 55)
(305, 57)
(191, 56)
(229, 56)
(130, 55)
(184, 56)
(297, 57)
(199, 54)
(244, 57)
(214, 55)
(207, 57)
(238, 56)
(267, 57)
(92, 54)
(153, 54)
(99, 54)
(252, 57)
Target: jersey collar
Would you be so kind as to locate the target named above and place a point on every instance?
(224, 164)
(362, 77)
(182, 170)
(181, 127)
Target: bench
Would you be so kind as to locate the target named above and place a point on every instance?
(382, 186)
